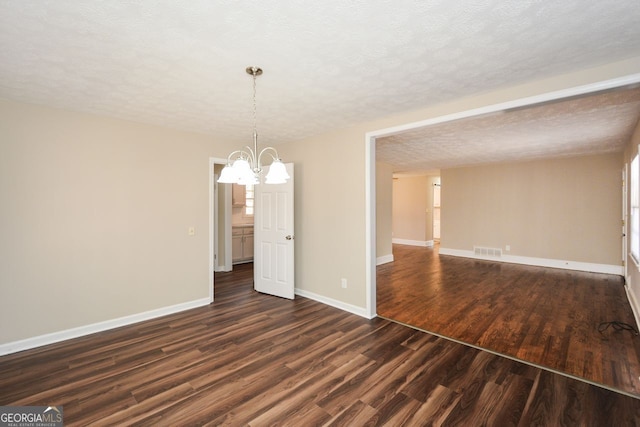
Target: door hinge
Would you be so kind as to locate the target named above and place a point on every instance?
(623, 263)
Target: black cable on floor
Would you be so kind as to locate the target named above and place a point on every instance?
(618, 326)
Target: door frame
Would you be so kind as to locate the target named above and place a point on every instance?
(435, 186)
(213, 209)
(625, 220)
(370, 160)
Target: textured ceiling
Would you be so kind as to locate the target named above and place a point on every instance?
(598, 123)
(327, 63)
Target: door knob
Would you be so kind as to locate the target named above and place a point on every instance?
(289, 237)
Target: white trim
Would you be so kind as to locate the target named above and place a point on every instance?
(212, 237)
(54, 337)
(384, 259)
(370, 159)
(370, 226)
(635, 261)
(423, 243)
(213, 207)
(353, 309)
(540, 262)
(625, 219)
(633, 302)
(214, 226)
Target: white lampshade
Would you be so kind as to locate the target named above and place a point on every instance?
(228, 175)
(277, 173)
(242, 167)
(244, 174)
(249, 179)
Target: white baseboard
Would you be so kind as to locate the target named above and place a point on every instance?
(423, 243)
(29, 343)
(384, 259)
(540, 262)
(359, 311)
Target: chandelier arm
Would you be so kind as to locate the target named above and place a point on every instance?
(241, 152)
(251, 157)
(251, 152)
(266, 150)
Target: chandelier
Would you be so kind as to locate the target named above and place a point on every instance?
(245, 166)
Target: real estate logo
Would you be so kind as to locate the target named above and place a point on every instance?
(31, 416)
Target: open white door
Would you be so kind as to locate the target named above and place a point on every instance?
(273, 261)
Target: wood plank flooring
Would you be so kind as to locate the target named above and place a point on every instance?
(252, 359)
(544, 316)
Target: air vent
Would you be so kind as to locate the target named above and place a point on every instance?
(482, 251)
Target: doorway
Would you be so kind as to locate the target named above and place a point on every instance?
(220, 248)
(436, 212)
(275, 259)
(370, 159)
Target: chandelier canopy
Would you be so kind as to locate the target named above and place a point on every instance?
(245, 166)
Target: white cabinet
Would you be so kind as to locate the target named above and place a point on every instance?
(236, 245)
(242, 243)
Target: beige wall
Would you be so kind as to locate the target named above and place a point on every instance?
(412, 209)
(384, 191)
(94, 218)
(563, 209)
(329, 217)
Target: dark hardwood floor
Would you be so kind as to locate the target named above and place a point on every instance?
(252, 359)
(544, 316)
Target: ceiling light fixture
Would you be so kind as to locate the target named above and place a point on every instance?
(244, 166)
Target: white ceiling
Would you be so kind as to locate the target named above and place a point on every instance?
(327, 64)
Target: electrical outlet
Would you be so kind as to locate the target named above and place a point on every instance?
(192, 231)
(507, 248)
(344, 283)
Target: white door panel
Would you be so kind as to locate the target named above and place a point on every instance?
(274, 242)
